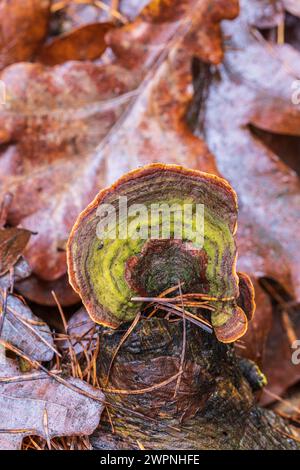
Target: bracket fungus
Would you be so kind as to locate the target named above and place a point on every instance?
(155, 227)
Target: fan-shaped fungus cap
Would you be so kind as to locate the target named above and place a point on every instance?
(155, 226)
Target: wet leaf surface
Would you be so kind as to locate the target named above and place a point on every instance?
(36, 404)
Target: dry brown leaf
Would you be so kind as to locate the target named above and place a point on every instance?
(23, 27)
(257, 76)
(36, 404)
(24, 330)
(254, 86)
(51, 128)
(84, 43)
(37, 290)
(281, 372)
(254, 342)
(52, 125)
(12, 244)
(18, 325)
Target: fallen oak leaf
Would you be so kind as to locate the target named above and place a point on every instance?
(259, 75)
(265, 103)
(160, 109)
(24, 26)
(45, 115)
(25, 401)
(48, 202)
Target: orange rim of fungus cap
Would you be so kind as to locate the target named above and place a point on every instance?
(108, 272)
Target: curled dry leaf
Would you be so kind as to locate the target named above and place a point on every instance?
(84, 43)
(24, 25)
(36, 404)
(71, 108)
(108, 272)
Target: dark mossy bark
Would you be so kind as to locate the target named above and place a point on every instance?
(214, 405)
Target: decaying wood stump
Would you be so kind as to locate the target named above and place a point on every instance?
(213, 408)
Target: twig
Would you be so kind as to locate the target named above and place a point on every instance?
(282, 400)
(280, 33)
(97, 3)
(183, 344)
(190, 317)
(46, 427)
(26, 323)
(26, 377)
(297, 439)
(3, 313)
(142, 390)
(123, 339)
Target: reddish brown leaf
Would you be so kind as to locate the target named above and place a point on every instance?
(23, 27)
(69, 109)
(35, 289)
(278, 366)
(253, 344)
(258, 77)
(65, 113)
(254, 86)
(84, 43)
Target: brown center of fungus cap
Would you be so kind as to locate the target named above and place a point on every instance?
(162, 263)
